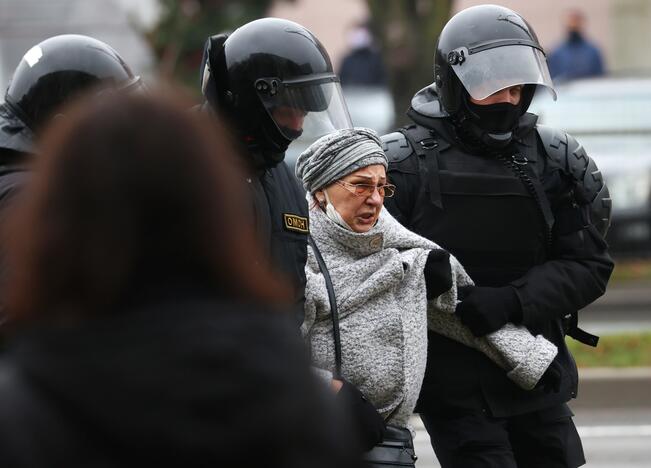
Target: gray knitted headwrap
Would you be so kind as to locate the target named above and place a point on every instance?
(338, 154)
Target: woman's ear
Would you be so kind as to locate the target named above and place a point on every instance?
(320, 198)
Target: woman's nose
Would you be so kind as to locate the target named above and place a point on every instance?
(375, 198)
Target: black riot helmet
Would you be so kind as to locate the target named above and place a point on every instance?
(274, 81)
(59, 68)
(480, 51)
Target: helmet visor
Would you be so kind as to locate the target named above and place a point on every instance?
(308, 108)
(488, 71)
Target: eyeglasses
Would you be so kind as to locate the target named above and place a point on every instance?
(365, 190)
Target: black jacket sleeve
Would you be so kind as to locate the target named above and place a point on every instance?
(578, 267)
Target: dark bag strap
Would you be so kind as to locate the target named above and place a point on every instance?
(426, 146)
(572, 329)
(333, 305)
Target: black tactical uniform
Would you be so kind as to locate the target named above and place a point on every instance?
(524, 209)
(49, 75)
(264, 66)
(280, 216)
(15, 146)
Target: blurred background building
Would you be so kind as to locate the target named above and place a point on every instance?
(166, 35)
(120, 23)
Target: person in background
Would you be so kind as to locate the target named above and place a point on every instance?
(576, 57)
(139, 334)
(363, 65)
(525, 210)
(271, 80)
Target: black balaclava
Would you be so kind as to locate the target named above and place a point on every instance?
(490, 128)
(496, 118)
(575, 36)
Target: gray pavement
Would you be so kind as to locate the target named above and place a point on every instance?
(619, 438)
(612, 414)
(625, 308)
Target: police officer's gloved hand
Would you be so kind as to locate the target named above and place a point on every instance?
(484, 310)
(370, 425)
(551, 379)
(438, 273)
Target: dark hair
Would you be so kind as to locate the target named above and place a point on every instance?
(131, 190)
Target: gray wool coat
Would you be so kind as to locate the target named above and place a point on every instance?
(384, 314)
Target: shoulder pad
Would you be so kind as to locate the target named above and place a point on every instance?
(396, 147)
(568, 154)
(564, 151)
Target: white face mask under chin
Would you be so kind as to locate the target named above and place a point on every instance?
(333, 214)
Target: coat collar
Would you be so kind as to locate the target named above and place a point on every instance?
(326, 231)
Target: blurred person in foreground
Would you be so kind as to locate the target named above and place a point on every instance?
(390, 285)
(272, 81)
(138, 332)
(50, 74)
(525, 211)
(576, 57)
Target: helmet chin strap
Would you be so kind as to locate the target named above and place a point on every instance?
(497, 140)
(291, 133)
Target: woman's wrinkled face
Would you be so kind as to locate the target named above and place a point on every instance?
(359, 212)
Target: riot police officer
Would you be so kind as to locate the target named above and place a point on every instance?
(525, 210)
(273, 81)
(50, 74)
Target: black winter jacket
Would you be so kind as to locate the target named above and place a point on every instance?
(189, 382)
(282, 225)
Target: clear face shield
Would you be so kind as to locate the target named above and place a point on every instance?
(485, 71)
(304, 108)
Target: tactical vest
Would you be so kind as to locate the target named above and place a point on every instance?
(483, 209)
(492, 212)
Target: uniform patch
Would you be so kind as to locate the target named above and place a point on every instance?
(296, 223)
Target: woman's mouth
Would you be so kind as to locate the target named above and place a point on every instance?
(366, 218)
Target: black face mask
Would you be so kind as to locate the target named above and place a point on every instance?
(291, 133)
(575, 36)
(495, 118)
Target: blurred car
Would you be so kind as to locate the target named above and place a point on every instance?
(370, 107)
(611, 118)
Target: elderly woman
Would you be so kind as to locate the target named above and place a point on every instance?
(390, 284)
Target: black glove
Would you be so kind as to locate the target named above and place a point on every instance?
(369, 424)
(551, 379)
(484, 310)
(438, 273)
